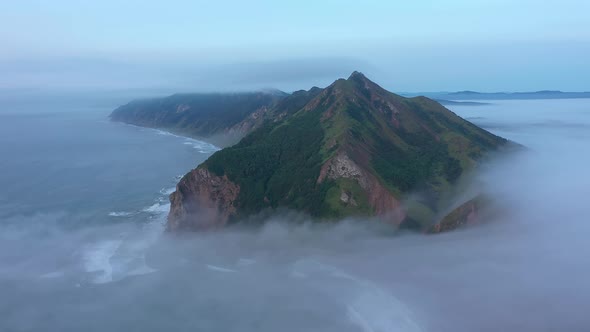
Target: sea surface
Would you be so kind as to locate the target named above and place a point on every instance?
(83, 203)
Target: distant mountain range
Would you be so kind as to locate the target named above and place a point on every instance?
(449, 97)
(350, 149)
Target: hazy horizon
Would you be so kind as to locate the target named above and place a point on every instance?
(422, 46)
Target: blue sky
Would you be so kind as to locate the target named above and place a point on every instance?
(235, 45)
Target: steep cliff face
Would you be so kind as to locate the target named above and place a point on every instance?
(202, 201)
(351, 149)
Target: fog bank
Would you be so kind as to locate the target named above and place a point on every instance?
(526, 270)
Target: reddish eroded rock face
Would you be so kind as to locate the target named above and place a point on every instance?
(384, 204)
(380, 199)
(202, 201)
(465, 214)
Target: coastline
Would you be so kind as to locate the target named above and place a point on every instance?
(204, 145)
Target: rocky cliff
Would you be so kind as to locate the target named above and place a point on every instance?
(351, 149)
(202, 201)
(466, 213)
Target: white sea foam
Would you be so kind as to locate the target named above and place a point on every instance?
(97, 260)
(167, 191)
(157, 208)
(113, 260)
(202, 147)
(121, 214)
(165, 133)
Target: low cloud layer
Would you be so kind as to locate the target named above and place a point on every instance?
(525, 270)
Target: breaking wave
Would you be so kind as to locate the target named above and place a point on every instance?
(200, 146)
(121, 214)
(167, 191)
(157, 208)
(97, 260)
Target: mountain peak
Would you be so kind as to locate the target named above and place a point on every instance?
(360, 81)
(356, 75)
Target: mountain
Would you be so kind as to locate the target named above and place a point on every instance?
(224, 118)
(463, 103)
(351, 149)
(449, 97)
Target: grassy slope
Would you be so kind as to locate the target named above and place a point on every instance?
(278, 164)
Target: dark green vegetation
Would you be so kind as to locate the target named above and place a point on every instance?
(276, 165)
(199, 115)
(392, 146)
(223, 118)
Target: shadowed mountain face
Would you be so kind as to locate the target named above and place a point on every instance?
(229, 115)
(221, 118)
(351, 149)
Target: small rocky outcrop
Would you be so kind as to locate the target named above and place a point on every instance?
(463, 215)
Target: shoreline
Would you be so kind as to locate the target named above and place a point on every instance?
(169, 132)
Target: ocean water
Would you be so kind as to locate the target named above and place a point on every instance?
(67, 168)
(83, 203)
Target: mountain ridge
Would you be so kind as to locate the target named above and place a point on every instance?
(221, 118)
(224, 118)
(350, 149)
